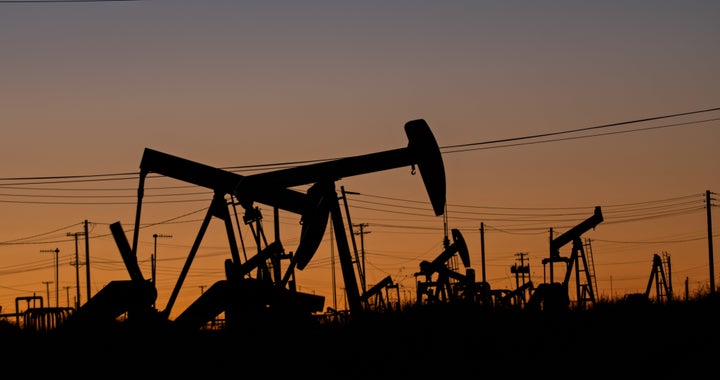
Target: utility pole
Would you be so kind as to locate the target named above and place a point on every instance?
(56, 251)
(77, 267)
(520, 272)
(482, 249)
(67, 294)
(362, 234)
(154, 256)
(361, 269)
(708, 206)
(669, 284)
(552, 272)
(47, 287)
(87, 260)
(332, 266)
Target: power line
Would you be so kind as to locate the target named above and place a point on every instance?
(134, 176)
(579, 137)
(587, 128)
(38, 235)
(529, 217)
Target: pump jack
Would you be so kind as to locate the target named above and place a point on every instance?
(316, 207)
(374, 299)
(657, 276)
(554, 295)
(448, 285)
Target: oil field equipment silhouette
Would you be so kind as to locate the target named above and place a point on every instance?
(443, 283)
(524, 287)
(554, 295)
(663, 283)
(259, 288)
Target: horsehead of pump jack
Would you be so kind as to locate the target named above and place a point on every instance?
(422, 150)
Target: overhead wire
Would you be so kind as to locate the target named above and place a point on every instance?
(130, 175)
(603, 126)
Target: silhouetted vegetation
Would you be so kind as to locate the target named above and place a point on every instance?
(451, 339)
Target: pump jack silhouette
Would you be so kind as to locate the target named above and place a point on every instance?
(444, 284)
(663, 287)
(554, 295)
(240, 295)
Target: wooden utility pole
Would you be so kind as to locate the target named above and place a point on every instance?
(87, 260)
(77, 267)
(67, 294)
(482, 250)
(522, 270)
(332, 267)
(710, 241)
(361, 268)
(47, 289)
(362, 234)
(56, 251)
(153, 261)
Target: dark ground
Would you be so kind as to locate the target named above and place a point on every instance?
(674, 340)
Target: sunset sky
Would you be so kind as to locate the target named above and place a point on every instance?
(521, 97)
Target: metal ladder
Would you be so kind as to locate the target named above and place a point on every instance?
(586, 290)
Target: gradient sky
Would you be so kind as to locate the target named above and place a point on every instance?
(86, 86)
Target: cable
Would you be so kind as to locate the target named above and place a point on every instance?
(585, 129)
(8, 242)
(97, 177)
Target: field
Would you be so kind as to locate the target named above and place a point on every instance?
(671, 340)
